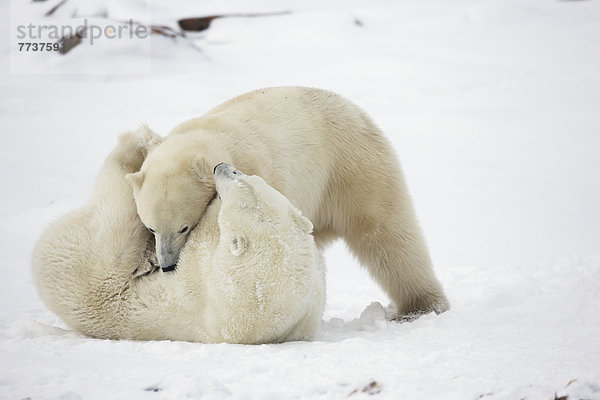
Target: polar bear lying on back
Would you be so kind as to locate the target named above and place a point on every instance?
(249, 273)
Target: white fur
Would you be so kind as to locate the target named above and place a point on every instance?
(324, 154)
(249, 273)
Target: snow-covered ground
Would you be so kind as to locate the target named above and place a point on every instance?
(494, 109)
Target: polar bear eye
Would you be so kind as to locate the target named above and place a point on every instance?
(151, 230)
(184, 230)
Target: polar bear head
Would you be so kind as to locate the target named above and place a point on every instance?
(172, 191)
(251, 208)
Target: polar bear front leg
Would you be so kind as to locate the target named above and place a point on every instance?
(125, 159)
(113, 200)
(134, 146)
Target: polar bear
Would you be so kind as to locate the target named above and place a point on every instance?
(324, 154)
(250, 271)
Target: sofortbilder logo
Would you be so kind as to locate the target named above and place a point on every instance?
(88, 32)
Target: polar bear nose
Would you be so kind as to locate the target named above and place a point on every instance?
(170, 268)
(227, 170)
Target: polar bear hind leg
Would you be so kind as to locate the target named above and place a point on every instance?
(373, 212)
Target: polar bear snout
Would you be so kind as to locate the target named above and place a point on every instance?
(227, 171)
(168, 261)
(167, 250)
(225, 175)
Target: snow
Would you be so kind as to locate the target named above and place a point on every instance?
(492, 106)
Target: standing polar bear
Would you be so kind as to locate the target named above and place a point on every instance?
(250, 271)
(324, 154)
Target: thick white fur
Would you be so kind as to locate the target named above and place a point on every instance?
(325, 155)
(249, 273)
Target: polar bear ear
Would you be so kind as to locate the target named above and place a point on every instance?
(238, 246)
(135, 180)
(302, 222)
(201, 169)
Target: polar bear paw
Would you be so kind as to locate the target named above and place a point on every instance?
(134, 146)
(148, 264)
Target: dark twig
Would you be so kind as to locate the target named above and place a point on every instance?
(198, 24)
(56, 7)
